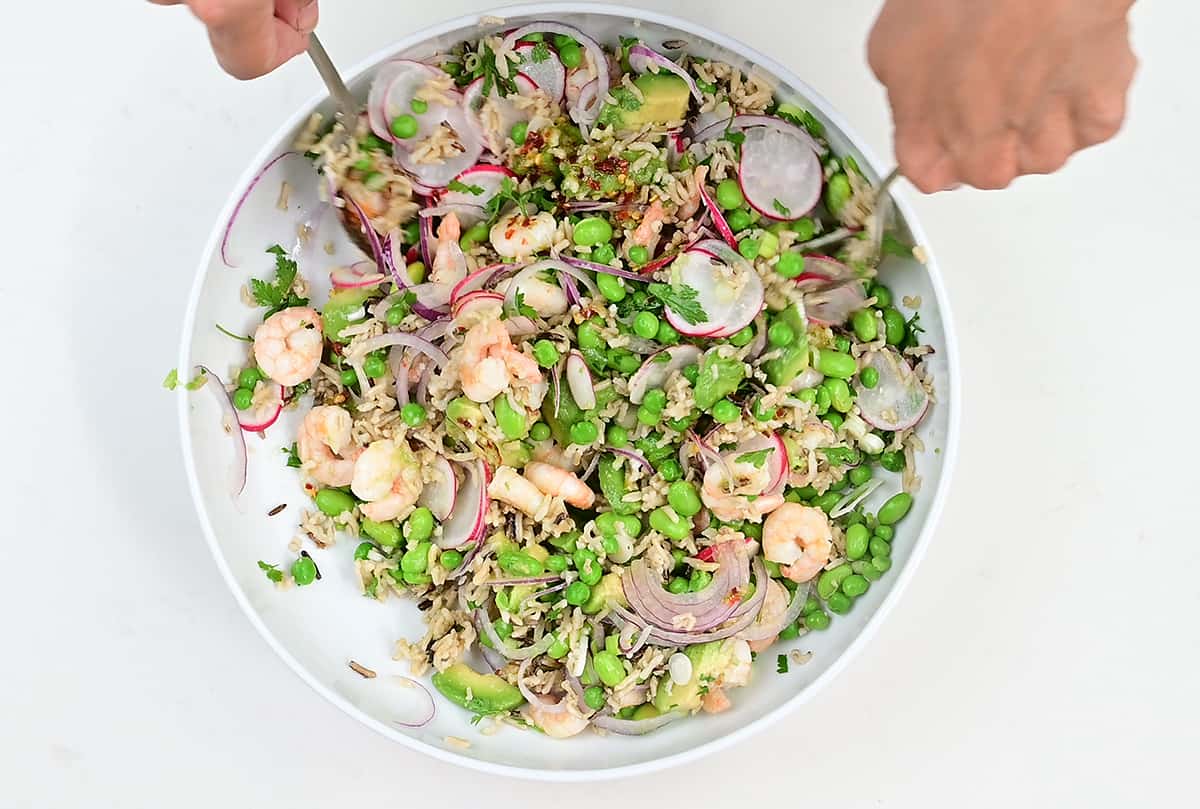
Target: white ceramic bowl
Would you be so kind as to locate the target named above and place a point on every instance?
(318, 629)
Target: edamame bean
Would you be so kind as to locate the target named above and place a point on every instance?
(363, 550)
(588, 335)
(670, 470)
(855, 585)
(837, 193)
(419, 525)
(839, 602)
(677, 585)
(520, 564)
(304, 571)
(835, 364)
(684, 499)
(840, 396)
(591, 231)
(604, 254)
(894, 327)
(865, 327)
(894, 509)
(789, 632)
(333, 502)
(624, 361)
(827, 501)
(556, 563)
(816, 621)
(857, 540)
(558, 650)
(666, 334)
(608, 668)
(571, 55)
(676, 529)
(882, 295)
(864, 568)
(584, 432)
(842, 344)
(691, 373)
(781, 334)
(511, 420)
(386, 534)
(589, 569)
(416, 559)
(881, 563)
(830, 580)
(645, 325)
(655, 399)
(885, 532)
(473, 235)
(610, 286)
(647, 416)
(396, 314)
(546, 353)
(743, 337)
(880, 547)
(805, 229)
(729, 195)
(349, 378)
(892, 460)
(699, 580)
(859, 475)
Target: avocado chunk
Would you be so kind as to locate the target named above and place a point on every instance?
(665, 98)
(709, 660)
(718, 377)
(793, 358)
(568, 413)
(341, 303)
(607, 591)
(479, 693)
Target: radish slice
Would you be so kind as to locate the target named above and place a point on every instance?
(481, 278)
(477, 306)
(360, 274)
(718, 218)
(264, 408)
(658, 368)
(587, 108)
(780, 174)
(579, 380)
(393, 89)
(433, 296)
(438, 495)
(466, 522)
(494, 133)
(728, 289)
(438, 175)
(469, 206)
(828, 305)
(548, 74)
(642, 59)
(899, 400)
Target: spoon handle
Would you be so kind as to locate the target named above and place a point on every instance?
(346, 103)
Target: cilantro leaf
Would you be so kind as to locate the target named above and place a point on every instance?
(781, 664)
(683, 300)
(912, 332)
(541, 52)
(293, 459)
(273, 573)
(756, 459)
(458, 185)
(277, 295)
(172, 380)
(841, 456)
(522, 308)
(782, 209)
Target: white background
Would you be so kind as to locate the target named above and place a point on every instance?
(1045, 654)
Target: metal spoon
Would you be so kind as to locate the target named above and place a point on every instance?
(347, 104)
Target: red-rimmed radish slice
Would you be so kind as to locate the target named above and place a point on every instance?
(466, 522)
(264, 409)
(780, 174)
(494, 131)
(585, 110)
(477, 306)
(468, 205)
(468, 148)
(395, 86)
(831, 306)
(642, 59)
(439, 494)
(776, 458)
(359, 274)
(727, 288)
(899, 400)
(718, 126)
(548, 74)
(676, 146)
(579, 380)
(718, 217)
(658, 368)
(826, 267)
(472, 282)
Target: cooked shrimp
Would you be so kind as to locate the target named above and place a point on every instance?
(549, 452)
(646, 234)
(323, 443)
(488, 364)
(715, 701)
(449, 263)
(556, 725)
(729, 498)
(774, 606)
(288, 345)
(558, 482)
(516, 235)
(692, 204)
(373, 203)
(548, 300)
(508, 486)
(388, 477)
(799, 539)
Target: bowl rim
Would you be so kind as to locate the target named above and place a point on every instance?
(949, 455)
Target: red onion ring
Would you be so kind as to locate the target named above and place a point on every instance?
(410, 340)
(237, 208)
(522, 580)
(229, 424)
(709, 608)
(368, 230)
(642, 59)
(758, 631)
(593, 266)
(535, 699)
(740, 122)
(432, 705)
(636, 457)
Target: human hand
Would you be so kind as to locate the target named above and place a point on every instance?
(982, 93)
(253, 37)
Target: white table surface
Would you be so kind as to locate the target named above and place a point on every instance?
(1045, 654)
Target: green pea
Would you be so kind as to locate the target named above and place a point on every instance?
(416, 272)
(592, 231)
(584, 432)
(748, 247)
(593, 697)
(742, 337)
(588, 335)
(894, 509)
(419, 525)
(859, 475)
(518, 132)
(617, 436)
(395, 314)
(816, 621)
(789, 632)
(364, 164)
(243, 398)
(823, 403)
(375, 181)
(885, 532)
(830, 580)
(571, 55)
(691, 373)
(655, 399)
(546, 353)
(869, 377)
(864, 568)
(839, 603)
(781, 334)
(604, 254)
(334, 502)
(519, 563)
(670, 470)
(450, 560)
(404, 126)
(881, 563)
(374, 367)
(865, 327)
(894, 327)
(556, 563)
(880, 547)
(840, 396)
(606, 523)
(677, 585)
(857, 539)
(725, 411)
(608, 668)
(804, 229)
(472, 236)
(837, 193)
(684, 498)
(647, 416)
(699, 580)
(610, 544)
(412, 414)
(416, 558)
(790, 265)
(304, 571)
(249, 377)
(386, 534)
(835, 364)
(589, 569)
(610, 286)
(512, 420)
(855, 585)
(558, 650)
(839, 485)
(349, 378)
(811, 605)
(676, 529)
(638, 254)
(739, 220)
(645, 325)
(666, 334)
(363, 550)
(806, 492)
(882, 296)
(729, 195)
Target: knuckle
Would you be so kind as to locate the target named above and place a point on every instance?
(213, 13)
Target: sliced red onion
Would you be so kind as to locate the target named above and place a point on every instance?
(762, 631)
(562, 585)
(642, 59)
(427, 239)
(432, 711)
(709, 607)
(574, 687)
(237, 209)
(579, 379)
(364, 224)
(591, 467)
(556, 386)
(580, 112)
(408, 340)
(719, 220)
(540, 702)
(570, 290)
(760, 338)
(229, 424)
(593, 266)
(593, 205)
(507, 649)
(635, 457)
(463, 566)
(635, 727)
(522, 580)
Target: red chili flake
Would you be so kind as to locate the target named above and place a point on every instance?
(612, 165)
(534, 140)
